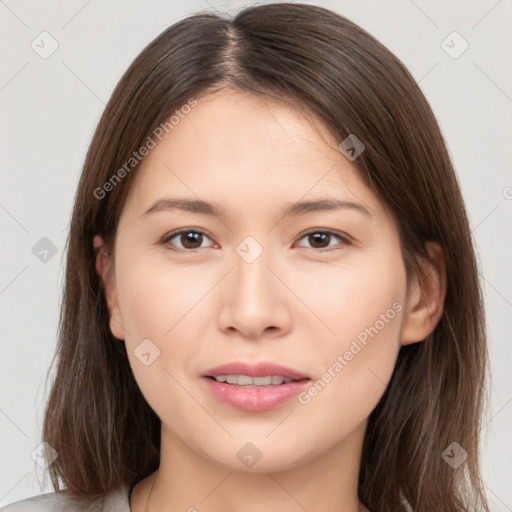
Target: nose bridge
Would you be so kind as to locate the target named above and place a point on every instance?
(252, 279)
(255, 299)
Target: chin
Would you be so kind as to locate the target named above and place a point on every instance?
(259, 456)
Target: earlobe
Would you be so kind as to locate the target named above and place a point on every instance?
(104, 270)
(425, 299)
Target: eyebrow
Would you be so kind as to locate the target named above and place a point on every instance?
(212, 208)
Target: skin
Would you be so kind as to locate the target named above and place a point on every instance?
(292, 306)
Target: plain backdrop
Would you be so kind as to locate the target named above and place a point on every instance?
(50, 107)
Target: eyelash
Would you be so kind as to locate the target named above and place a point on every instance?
(166, 239)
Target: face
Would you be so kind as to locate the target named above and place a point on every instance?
(319, 291)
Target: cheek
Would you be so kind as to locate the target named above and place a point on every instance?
(347, 300)
(364, 307)
(155, 298)
(154, 309)
(159, 305)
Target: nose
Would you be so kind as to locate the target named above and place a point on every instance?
(256, 303)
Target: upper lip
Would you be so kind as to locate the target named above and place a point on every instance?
(262, 369)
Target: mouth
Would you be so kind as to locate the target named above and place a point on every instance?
(257, 387)
(248, 381)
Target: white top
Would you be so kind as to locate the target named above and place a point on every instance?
(116, 501)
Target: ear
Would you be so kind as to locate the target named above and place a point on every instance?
(104, 268)
(425, 298)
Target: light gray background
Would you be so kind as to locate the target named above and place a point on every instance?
(50, 108)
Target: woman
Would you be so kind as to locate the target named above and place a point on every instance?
(271, 299)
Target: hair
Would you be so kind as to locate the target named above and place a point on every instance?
(105, 433)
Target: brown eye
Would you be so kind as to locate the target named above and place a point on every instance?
(186, 239)
(320, 240)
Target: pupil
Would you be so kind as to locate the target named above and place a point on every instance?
(318, 238)
(190, 238)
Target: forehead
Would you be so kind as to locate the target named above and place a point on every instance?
(247, 151)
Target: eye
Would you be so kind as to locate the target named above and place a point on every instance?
(321, 238)
(191, 239)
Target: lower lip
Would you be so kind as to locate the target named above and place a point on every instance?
(256, 398)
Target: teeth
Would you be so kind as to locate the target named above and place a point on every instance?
(245, 380)
(262, 381)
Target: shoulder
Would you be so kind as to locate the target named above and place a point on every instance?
(116, 501)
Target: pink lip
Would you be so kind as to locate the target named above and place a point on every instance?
(261, 398)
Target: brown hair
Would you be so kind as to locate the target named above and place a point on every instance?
(105, 433)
